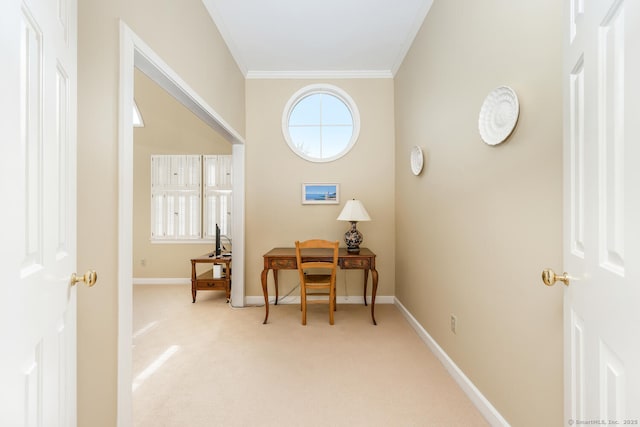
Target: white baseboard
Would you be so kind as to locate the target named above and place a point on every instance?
(164, 281)
(295, 299)
(259, 300)
(484, 406)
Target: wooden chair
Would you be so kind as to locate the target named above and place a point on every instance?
(322, 282)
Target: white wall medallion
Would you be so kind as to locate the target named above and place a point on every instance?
(417, 160)
(498, 115)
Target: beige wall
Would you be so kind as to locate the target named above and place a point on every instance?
(274, 175)
(469, 236)
(184, 36)
(170, 128)
(475, 230)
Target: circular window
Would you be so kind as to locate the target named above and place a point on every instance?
(321, 123)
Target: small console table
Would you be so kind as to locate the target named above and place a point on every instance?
(205, 281)
(285, 259)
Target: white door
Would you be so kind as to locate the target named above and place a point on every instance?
(38, 243)
(602, 211)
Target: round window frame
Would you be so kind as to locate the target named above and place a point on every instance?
(321, 89)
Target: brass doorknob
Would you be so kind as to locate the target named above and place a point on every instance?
(89, 278)
(549, 277)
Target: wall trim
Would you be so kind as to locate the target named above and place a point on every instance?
(134, 52)
(295, 299)
(319, 74)
(162, 281)
(485, 407)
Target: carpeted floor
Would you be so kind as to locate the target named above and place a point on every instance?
(207, 364)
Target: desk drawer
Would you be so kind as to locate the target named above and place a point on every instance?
(359, 263)
(211, 285)
(283, 264)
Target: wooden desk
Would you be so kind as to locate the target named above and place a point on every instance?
(205, 281)
(285, 259)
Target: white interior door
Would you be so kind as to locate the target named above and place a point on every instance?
(602, 211)
(38, 173)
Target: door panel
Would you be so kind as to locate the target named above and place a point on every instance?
(602, 352)
(37, 302)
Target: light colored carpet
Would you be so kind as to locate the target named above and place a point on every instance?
(207, 364)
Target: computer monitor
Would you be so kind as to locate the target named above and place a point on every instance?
(218, 245)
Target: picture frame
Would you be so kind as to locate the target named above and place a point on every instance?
(320, 194)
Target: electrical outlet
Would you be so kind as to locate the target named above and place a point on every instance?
(454, 323)
(143, 262)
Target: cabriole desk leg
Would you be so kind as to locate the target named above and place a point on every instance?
(366, 279)
(374, 290)
(193, 281)
(275, 282)
(266, 295)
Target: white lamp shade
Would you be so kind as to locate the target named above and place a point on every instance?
(354, 211)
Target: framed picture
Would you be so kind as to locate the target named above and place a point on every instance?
(320, 194)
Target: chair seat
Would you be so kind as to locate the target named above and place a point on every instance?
(314, 282)
(318, 278)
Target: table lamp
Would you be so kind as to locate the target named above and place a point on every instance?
(353, 212)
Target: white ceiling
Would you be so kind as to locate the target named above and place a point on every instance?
(324, 38)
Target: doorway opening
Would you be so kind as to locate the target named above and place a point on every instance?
(135, 53)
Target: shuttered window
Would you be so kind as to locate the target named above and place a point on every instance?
(177, 194)
(217, 195)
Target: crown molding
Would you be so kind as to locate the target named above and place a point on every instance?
(348, 74)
